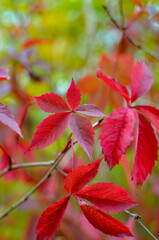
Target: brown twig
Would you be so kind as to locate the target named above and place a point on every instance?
(130, 39)
(113, 19)
(121, 12)
(26, 196)
(61, 171)
(25, 165)
(44, 164)
(53, 165)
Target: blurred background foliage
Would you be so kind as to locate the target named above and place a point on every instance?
(44, 44)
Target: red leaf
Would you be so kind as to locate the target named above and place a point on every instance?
(107, 197)
(152, 113)
(33, 42)
(80, 176)
(130, 223)
(141, 80)
(83, 131)
(90, 110)
(7, 118)
(4, 74)
(52, 103)
(123, 69)
(146, 150)
(117, 134)
(73, 95)
(51, 218)
(89, 84)
(49, 130)
(113, 84)
(104, 222)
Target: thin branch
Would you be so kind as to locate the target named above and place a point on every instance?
(53, 163)
(25, 165)
(61, 171)
(112, 18)
(133, 215)
(97, 123)
(146, 229)
(136, 217)
(40, 164)
(121, 12)
(131, 40)
(140, 46)
(26, 196)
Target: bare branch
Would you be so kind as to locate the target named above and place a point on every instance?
(131, 40)
(61, 171)
(25, 197)
(140, 46)
(121, 12)
(25, 165)
(146, 229)
(53, 165)
(112, 18)
(136, 217)
(40, 164)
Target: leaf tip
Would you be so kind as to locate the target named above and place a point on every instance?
(73, 95)
(72, 81)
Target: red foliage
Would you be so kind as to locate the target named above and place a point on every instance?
(104, 222)
(73, 96)
(107, 197)
(152, 113)
(117, 132)
(141, 80)
(51, 218)
(146, 150)
(120, 128)
(83, 131)
(102, 195)
(7, 118)
(51, 128)
(34, 42)
(81, 176)
(113, 84)
(52, 103)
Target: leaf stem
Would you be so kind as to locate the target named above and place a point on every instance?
(73, 162)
